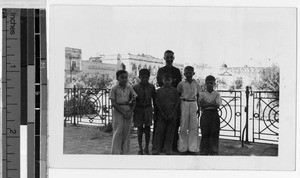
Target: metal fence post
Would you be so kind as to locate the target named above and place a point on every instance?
(247, 113)
(247, 117)
(74, 105)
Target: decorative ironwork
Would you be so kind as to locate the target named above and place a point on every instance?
(265, 116)
(92, 105)
(87, 105)
(230, 114)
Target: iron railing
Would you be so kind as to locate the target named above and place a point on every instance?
(87, 105)
(265, 116)
(92, 105)
(231, 114)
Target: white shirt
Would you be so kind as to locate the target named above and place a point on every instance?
(209, 97)
(188, 90)
(122, 95)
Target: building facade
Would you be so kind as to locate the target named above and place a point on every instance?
(75, 66)
(110, 64)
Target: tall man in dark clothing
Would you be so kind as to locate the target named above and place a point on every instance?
(175, 72)
(169, 68)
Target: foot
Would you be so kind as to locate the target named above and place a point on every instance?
(169, 153)
(175, 149)
(183, 153)
(140, 152)
(154, 153)
(192, 153)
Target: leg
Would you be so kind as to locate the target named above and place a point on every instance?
(214, 143)
(117, 123)
(215, 132)
(169, 137)
(126, 135)
(154, 126)
(193, 128)
(159, 135)
(147, 135)
(204, 125)
(184, 124)
(176, 136)
(140, 139)
(204, 145)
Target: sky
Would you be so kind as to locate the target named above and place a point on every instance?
(210, 35)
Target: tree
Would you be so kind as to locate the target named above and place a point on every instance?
(201, 81)
(268, 79)
(238, 83)
(133, 78)
(97, 80)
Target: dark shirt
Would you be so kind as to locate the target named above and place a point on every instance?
(145, 94)
(172, 70)
(167, 98)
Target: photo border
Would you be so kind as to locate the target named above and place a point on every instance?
(284, 161)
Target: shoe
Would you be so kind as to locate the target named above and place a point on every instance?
(154, 153)
(169, 153)
(140, 152)
(146, 151)
(192, 153)
(183, 153)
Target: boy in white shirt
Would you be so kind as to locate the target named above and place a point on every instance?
(189, 90)
(210, 100)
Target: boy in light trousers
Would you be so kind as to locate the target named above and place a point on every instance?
(123, 101)
(189, 90)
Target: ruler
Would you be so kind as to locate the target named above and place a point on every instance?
(11, 84)
(24, 91)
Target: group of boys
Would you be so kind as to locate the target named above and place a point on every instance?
(173, 107)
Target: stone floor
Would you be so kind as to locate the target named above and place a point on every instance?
(83, 139)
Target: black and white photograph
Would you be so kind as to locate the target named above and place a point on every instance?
(170, 83)
(149, 88)
(248, 86)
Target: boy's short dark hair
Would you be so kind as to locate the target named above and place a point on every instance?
(210, 78)
(120, 72)
(167, 76)
(189, 68)
(144, 72)
(169, 51)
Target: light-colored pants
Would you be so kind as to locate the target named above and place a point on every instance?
(188, 135)
(121, 133)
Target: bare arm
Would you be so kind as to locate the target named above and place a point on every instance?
(129, 113)
(117, 107)
(132, 104)
(205, 104)
(198, 111)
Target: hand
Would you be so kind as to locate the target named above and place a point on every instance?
(213, 103)
(198, 113)
(202, 101)
(128, 115)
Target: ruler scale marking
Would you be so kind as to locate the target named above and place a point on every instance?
(30, 94)
(37, 92)
(11, 120)
(24, 91)
(43, 82)
(24, 66)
